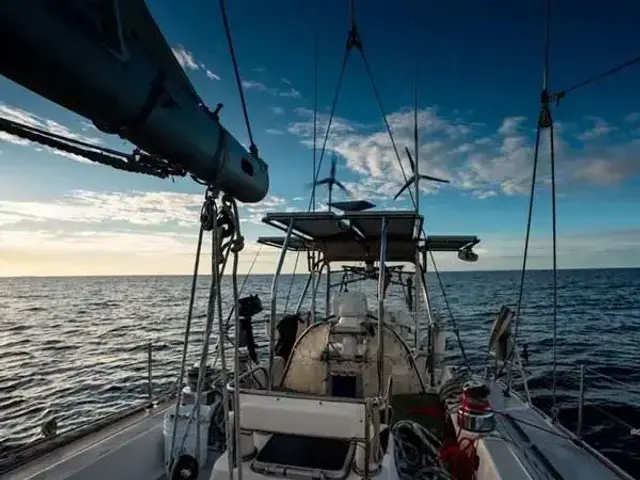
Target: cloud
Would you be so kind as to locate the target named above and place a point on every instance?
(96, 252)
(117, 233)
(253, 213)
(211, 75)
(89, 207)
(474, 157)
(600, 128)
(255, 85)
(136, 208)
(129, 252)
(277, 110)
(292, 93)
(260, 69)
(274, 131)
(6, 137)
(612, 165)
(286, 80)
(251, 84)
(632, 117)
(187, 60)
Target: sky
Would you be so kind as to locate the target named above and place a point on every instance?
(479, 69)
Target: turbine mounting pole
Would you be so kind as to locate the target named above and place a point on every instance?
(416, 173)
(415, 113)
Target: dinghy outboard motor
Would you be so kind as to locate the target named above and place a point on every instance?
(248, 307)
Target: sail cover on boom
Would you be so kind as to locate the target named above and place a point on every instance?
(109, 62)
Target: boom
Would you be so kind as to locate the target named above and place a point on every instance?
(108, 61)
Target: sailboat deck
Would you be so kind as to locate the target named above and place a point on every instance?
(527, 442)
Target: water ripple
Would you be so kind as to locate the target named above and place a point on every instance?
(76, 347)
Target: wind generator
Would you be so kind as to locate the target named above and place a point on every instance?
(331, 180)
(414, 177)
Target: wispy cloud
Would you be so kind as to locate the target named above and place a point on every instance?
(252, 84)
(210, 75)
(255, 85)
(292, 93)
(187, 60)
(277, 110)
(253, 213)
(614, 165)
(260, 69)
(137, 208)
(274, 131)
(600, 128)
(286, 80)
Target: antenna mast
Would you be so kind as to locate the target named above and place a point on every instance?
(418, 270)
(315, 116)
(415, 112)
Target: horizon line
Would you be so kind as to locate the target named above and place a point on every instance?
(2, 277)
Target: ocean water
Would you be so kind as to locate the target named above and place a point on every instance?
(76, 348)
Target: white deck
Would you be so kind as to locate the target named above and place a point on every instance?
(531, 446)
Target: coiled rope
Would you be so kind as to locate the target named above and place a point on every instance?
(416, 453)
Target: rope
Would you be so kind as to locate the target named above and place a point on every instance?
(233, 308)
(545, 121)
(448, 307)
(416, 452)
(555, 271)
(336, 96)
(376, 93)
(210, 315)
(223, 10)
(596, 78)
(354, 41)
(187, 331)
(236, 247)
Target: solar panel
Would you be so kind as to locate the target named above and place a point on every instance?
(353, 206)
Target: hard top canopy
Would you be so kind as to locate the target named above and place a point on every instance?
(355, 236)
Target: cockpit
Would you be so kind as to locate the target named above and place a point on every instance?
(339, 357)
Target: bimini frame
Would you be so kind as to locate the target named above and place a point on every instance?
(372, 236)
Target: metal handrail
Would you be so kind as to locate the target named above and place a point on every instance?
(41, 446)
(584, 370)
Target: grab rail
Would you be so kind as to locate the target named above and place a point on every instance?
(53, 438)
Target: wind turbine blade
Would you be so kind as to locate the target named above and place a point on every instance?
(413, 165)
(405, 186)
(342, 187)
(434, 179)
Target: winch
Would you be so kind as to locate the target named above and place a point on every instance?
(475, 414)
(208, 394)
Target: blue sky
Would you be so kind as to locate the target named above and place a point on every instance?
(479, 68)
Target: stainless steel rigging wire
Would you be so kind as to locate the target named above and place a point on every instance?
(236, 71)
